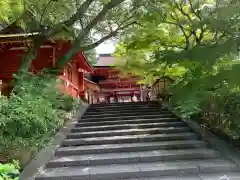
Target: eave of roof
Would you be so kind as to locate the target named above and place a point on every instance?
(92, 67)
(103, 66)
(105, 55)
(18, 35)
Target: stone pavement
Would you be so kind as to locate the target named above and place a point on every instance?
(136, 141)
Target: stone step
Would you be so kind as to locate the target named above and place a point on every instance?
(119, 113)
(137, 110)
(132, 113)
(217, 176)
(130, 147)
(132, 108)
(124, 105)
(115, 171)
(150, 107)
(141, 106)
(82, 123)
(134, 141)
(130, 139)
(128, 132)
(133, 157)
(78, 127)
(200, 176)
(146, 116)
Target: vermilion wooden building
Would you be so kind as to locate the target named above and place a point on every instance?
(13, 44)
(114, 87)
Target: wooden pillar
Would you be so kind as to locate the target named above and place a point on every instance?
(81, 81)
(89, 98)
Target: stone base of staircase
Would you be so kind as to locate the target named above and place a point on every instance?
(141, 141)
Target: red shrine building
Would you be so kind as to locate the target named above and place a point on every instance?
(14, 43)
(101, 83)
(114, 87)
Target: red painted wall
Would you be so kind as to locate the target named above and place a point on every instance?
(10, 61)
(73, 84)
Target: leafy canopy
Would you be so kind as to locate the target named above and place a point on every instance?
(196, 42)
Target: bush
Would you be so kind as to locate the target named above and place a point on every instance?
(67, 103)
(33, 113)
(27, 120)
(28, 115)
(221, 113)
(217, 109)
(9, 171)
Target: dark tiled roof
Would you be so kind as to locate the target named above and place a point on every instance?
(105, 55)
(96, 66)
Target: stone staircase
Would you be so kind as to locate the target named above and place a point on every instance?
(135, 141)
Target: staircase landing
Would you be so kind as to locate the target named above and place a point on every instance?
(136, 141)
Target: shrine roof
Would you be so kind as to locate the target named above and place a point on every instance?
(88, 63)
(105, 55)
(95, 66)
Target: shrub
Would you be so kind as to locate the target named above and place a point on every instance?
(67, 103)
(9, 171)
(217, 108)
(221, 113)
(27, 120)
(33, 112)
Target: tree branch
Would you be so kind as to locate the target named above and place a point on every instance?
(98, 18)
(193, 31)
(197, 13)
(110, 35)
(183, 31)
(97, 43)
(44, 10)
(80, 12)
(77, 43)
(78, 15)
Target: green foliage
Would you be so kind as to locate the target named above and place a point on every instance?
(196, 43)
(69, 17)
(67, 103)
(140, 63)
(31, 115)
(88, 23)
(220, 112)
(10, 10)
(28, 13)
(9, 171)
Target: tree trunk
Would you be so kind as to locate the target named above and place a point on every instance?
(27, 59)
